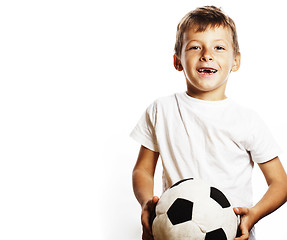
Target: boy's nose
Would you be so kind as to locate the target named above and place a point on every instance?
(206, 56)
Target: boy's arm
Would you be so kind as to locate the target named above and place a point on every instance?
(275, 196)
(143, 185)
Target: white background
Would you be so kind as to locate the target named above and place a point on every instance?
(75, 77)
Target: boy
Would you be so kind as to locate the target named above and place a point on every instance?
(203, 134)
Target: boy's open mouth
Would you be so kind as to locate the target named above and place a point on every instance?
(207, 70)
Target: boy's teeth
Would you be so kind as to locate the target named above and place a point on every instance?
(207, 70)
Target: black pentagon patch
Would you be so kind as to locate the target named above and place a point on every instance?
(180, 211)
(179, 182)
(219, 197)
(217, 234)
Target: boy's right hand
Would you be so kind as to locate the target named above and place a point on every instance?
(147, 210)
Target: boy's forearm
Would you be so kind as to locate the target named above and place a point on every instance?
(143, 175)
(276, 194)
(143, 185)
(275, 197)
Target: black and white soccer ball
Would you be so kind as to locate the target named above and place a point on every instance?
(193, 210)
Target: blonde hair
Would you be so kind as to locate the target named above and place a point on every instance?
(200, 19)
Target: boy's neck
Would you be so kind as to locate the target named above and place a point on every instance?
(216, 94)
(208, 96)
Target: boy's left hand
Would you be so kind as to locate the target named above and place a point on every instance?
(246, 221)
(275, 197)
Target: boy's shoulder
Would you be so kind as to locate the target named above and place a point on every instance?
(164, 101)
(243, 110)
(162, 106)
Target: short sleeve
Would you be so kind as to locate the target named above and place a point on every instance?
(144, 132)
(261, 145)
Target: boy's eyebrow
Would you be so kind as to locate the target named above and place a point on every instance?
(215, 40)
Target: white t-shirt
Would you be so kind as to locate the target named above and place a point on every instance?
(214, 140)
(218, 141)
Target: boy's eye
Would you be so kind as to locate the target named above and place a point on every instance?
(219, 48)
(194, 48)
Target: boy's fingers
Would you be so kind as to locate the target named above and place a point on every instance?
(244, 231)
(244, 236)
(152, 203)
(145, 221)
(147, 212)
(240, 210)
(146, 215)
(146, 236)
(236, 210)
(155, 199)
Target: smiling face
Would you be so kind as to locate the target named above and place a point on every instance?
(207, 58)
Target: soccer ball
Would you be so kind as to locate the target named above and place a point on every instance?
(193, 210)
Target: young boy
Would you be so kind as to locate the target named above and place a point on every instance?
(203, 134)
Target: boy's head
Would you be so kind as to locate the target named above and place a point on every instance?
(202, 18)
(207, 51)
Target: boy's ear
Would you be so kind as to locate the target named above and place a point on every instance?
(177, 63)
(236, 63)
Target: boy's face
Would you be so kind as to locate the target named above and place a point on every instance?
(207, 59)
